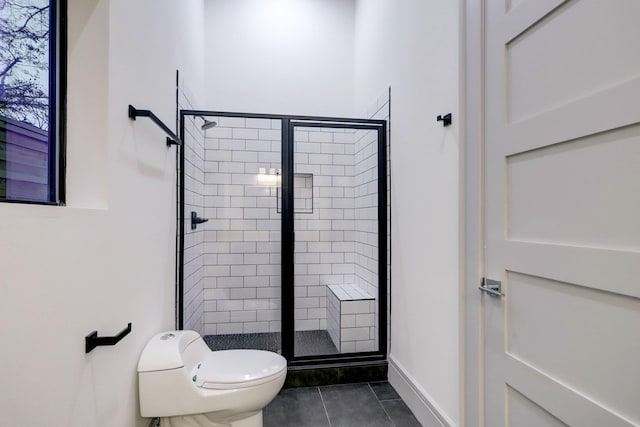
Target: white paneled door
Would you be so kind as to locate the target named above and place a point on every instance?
(562, 213)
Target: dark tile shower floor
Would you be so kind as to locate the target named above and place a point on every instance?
(345, 405)
(307, 343)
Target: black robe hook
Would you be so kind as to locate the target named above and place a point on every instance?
(446, 119)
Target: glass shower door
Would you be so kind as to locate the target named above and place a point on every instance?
(336, 255)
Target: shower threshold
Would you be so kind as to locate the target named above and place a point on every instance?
(307, 343)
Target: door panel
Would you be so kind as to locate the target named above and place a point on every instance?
(580, 62)
(562, 176)
(555, 327)
(527, 412)
(563, 402)
(543, 208)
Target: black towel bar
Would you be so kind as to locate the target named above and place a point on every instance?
(173, 138)
(92, 340)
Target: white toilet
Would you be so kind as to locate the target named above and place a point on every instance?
(187, 385)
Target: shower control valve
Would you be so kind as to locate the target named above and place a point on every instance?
(195, 220)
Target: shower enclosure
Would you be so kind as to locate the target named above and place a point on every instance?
(283, 234)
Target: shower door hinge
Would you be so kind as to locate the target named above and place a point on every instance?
(491, 287)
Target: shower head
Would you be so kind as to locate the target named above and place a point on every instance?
(207, 124)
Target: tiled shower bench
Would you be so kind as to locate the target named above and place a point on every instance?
(351, 318)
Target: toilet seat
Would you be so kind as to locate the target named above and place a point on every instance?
(235, 369)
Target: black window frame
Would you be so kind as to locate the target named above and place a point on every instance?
(57, 108)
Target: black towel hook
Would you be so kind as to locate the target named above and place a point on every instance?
(446, 119)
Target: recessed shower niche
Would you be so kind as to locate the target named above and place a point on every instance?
(302, 194)
(293, 257)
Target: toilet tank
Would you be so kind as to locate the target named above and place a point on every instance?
(164, 381)
(166, 350)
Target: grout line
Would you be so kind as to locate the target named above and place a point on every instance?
(388, 416)
(381, 405)
(325, 407)
(382, 400)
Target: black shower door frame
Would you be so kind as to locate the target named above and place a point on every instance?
(289, 124)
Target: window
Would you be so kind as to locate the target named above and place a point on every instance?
(31, 151)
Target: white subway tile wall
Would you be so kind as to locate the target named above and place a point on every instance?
(242, 237)
(324, 248)
(194, 247)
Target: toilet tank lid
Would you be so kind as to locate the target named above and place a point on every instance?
(164, 350)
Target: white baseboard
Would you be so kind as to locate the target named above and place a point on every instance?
(422, 406)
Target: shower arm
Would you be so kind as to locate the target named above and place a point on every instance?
(173, 139)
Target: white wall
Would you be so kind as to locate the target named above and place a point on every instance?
(108, 257)
(279, 56)
(412, 45)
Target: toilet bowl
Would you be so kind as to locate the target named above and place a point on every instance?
(185, 384)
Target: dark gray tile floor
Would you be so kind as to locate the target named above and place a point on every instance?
(307, 343)
(343, 405)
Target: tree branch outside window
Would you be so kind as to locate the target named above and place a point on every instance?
(24, 61)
